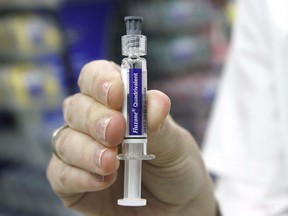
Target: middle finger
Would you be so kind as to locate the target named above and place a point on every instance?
(84, 114)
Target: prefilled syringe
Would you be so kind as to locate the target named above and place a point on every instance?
(134, 109)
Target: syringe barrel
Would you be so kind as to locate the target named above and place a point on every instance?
(134, 109)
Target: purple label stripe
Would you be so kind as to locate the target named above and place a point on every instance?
(135, 101)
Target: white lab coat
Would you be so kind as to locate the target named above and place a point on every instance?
(247, 139)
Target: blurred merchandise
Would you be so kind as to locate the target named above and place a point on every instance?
(188, 41)
(28, 4)
(43, 46)
(33, 84)
(231, 11)
(27, 36)
(179, 54)
(192, 96)
(178, 34)
(88, 35)
(27, 86)
(25, 191)
(172, 17)
(219, 37)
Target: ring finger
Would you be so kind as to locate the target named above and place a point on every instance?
(80, 150)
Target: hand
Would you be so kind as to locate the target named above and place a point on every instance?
(88, 177)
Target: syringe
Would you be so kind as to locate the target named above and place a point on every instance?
(134, 109)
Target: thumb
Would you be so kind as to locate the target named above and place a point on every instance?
(159, 121)
(158, 109)
(166, 139)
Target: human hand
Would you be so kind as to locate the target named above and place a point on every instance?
(89, 178)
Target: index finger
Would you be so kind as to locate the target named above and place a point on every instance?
(102, 81)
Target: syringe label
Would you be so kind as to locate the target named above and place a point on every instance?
(135, 107)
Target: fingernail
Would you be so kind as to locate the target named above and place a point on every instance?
(104, 91)
(101, 126)
(100, 157)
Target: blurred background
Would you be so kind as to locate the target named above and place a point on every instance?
(45, 43)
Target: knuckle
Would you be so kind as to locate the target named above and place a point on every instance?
(103, 63)
(80, 80)
(100, 67)
(61, 143)
(87, 67)
(48, 171)
(83, 157)
(82, 73)
(63, 178)
(66, 108)
(95, 65)
(88, 126)
(95, 86)
(69, 107)
(91, 74)
(75, 99)
(67, 111)
(66, 102)
(52, 176)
